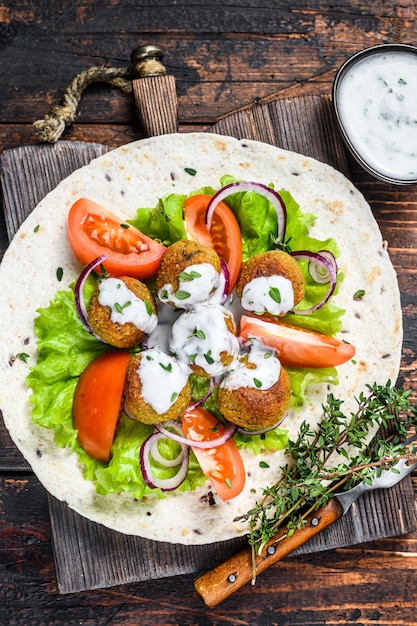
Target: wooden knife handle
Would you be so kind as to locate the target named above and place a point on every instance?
(220, 582)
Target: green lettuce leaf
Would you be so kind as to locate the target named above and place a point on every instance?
(164, 222)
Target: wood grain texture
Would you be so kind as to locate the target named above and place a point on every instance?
(156, 104)
(223, 57)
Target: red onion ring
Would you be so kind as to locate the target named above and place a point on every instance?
(79, 291)
(166, 484)
(331, 269)
(205, 397)
(314, 268)
(213, 443)
(270, 194)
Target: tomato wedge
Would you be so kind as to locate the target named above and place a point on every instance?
(297, 347)
(222, 464)
(93, 231)
(224, 236)
(97, 403)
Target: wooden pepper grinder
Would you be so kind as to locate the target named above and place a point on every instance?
(154, 92)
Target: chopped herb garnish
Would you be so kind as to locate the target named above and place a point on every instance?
(182, 295)
(187, 277)
(275, 294)
(167, 368)
(164, 294)
(149, 358)
(402, 81)
(23, 356)
(174, 396)
(190, 170)
(215, 428)
(59, 273)
(37, 227)
(197, 333)
(228, 483)
(267, 355)
(209, 358)
(103, 271)
(192, 358)
(120, 307)
(263, 464)
(148, 307)
(258, 383)
(124, 226)
(359, 294)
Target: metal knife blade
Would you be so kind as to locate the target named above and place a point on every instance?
(222, 581)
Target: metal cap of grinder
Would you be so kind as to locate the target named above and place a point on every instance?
(147, 61)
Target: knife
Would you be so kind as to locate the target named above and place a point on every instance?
(220, 582)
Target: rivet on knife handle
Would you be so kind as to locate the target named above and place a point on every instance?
(154, 92)
(220, 582)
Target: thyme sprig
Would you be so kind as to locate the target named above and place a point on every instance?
(340, 453)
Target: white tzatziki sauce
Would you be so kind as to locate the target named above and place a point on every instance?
(200, 337)
(377, 103)
(268, 294)
(125, 305)
(195, 284)
(263, 374)
(162, 378)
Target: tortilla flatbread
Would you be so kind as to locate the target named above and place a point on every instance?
(138, 174)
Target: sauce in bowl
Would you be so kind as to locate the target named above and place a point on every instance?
(375, 99)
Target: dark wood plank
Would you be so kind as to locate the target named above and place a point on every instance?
(227, 58)
(244, 52)
(367, 584)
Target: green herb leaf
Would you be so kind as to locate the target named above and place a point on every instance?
(358, 295)
(59, 273)
(119, 308)
(190, 170)
(167, 368)
(263, 464)
(148, 307)
(209, 358)
(275, 294)
(187, 277)
(258, 383)
(23, 356)
(182, 295)
(197, 333)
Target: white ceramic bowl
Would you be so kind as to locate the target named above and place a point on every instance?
(375, 100)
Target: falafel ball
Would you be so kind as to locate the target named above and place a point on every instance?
(257, 394)
(270, 283)
(122, 311)
(205, 339)
(157, 387)
(189, 274)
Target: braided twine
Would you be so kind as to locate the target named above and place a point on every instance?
(60, 117)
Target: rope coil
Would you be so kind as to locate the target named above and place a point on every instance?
(146, 62)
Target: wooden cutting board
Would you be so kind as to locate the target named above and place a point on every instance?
(88, 555)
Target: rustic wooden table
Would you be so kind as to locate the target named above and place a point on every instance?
(224, 57)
